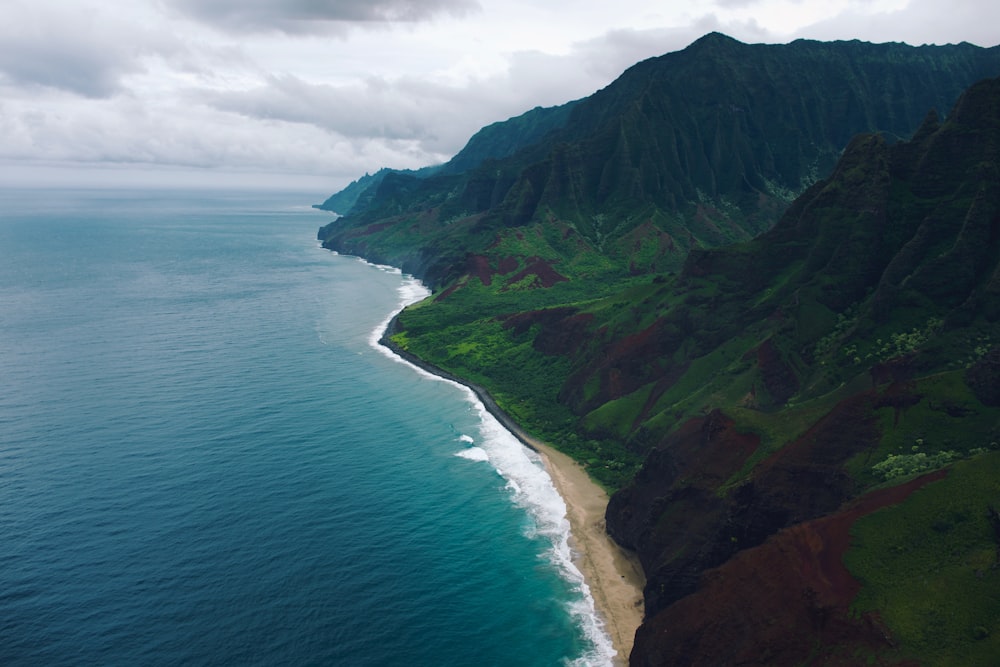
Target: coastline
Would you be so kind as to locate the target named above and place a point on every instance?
(614, 575)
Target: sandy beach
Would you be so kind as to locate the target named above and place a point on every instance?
(614, 575)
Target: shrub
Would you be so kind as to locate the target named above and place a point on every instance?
(903, 465)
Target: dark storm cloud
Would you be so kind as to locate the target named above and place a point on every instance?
(298, 16)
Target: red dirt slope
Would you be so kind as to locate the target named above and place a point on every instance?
(785, 602)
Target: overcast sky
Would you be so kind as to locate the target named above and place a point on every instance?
(317, 92)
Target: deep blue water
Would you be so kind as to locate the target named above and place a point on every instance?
(205, 461)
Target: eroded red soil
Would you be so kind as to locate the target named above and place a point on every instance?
(785, 602)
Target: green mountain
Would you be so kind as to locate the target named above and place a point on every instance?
(799, 406)
(495, 141)
(503, 139)
(363, 190)
(696, 148)
(824, 493)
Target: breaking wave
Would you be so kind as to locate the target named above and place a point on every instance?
(529, 485)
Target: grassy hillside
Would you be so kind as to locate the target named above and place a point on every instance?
(799, 427)
(767, 384)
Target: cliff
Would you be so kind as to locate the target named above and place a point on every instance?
(798, 404)
(743, 518)
(698, 148)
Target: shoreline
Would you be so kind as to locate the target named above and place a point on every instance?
(614, 575)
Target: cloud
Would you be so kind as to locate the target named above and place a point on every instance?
(431, 118)
(258, 85)
(305, 16)
(125, 132)
(77, 50)
(605, 57)
(439, 117)
(919, 22)
(406, 111)
(288, 124)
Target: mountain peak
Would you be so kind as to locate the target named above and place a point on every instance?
(979, 105)
(714, 39)
(694, 149)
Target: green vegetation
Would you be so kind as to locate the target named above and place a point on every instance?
(700, 148)
(906, 465)
(461, 336)
(937, 421)
(929, 567)
(601, 282)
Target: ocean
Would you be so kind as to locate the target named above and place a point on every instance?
(206, 459)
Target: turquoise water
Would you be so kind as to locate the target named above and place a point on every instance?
(204, 460)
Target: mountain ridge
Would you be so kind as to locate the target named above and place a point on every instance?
(747, 400)
(636, 172)
(752, 504)
(495, 141)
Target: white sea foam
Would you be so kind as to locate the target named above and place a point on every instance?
(382, 267)
(474, 454)
(467, 438)
(530, 488)
(410, 291)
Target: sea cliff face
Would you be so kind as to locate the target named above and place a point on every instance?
(774, 384)
(738, 533)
